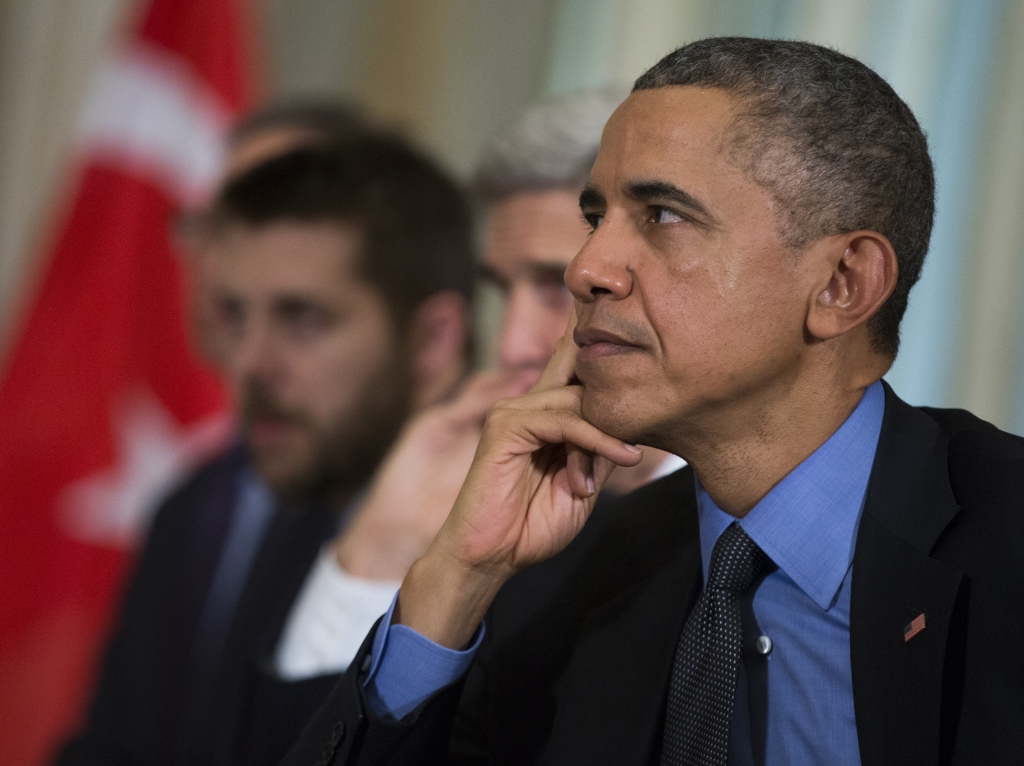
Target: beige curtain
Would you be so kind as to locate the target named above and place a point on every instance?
(48, 49)
(452, 71)
(990, 379)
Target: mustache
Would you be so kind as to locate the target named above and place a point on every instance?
(615, 329)
(259, 404)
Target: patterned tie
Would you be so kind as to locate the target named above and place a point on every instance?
(703, 685)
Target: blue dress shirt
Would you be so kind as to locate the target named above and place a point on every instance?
(807, 524)
(254, 510)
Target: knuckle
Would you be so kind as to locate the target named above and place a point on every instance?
(496, 416)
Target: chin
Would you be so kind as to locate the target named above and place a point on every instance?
(613, 414)
(282, 472)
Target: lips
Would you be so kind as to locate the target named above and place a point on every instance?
(595, 343)
(267, 432)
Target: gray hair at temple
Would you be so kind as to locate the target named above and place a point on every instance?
(552, 146)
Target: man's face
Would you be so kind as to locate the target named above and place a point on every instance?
(690, 306)
(311, 352)
(532, 237)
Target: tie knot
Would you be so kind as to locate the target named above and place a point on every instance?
(736, 561)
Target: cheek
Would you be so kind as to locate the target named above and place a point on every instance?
(715, 323)
(340, 369)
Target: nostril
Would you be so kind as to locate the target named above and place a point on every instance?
(600, 291)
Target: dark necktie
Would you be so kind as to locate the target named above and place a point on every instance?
(703, 684)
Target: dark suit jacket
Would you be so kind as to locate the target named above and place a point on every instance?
(576, 659)
(161, 700)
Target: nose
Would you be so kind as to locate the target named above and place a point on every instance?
(600, 267)
(252, 355)
(530, 330)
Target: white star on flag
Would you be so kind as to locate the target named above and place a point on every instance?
(114, 506)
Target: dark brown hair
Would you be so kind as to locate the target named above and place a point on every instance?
(414, 221)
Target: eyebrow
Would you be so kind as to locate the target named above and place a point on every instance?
(648, 191)
(652, 191)
(553, 270)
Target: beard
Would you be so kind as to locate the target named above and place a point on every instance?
(339, 457)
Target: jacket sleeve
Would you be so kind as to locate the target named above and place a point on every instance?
(142, 656)
(347, 731)
(135, 711)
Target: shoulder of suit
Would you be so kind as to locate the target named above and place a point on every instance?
(656, 513)
(984, 462)
(210, 482)
(667, 490)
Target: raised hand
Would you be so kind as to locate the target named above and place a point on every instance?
(532, 485)
(418, 481)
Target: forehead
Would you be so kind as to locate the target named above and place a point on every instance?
(537, 226)
(264, 145)
(289, 255)
(676, 133)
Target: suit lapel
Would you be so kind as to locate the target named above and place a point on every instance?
(278, 572)
(611, 697)
(898, 683)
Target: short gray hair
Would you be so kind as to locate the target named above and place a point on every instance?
(552, 146)
(832, 142)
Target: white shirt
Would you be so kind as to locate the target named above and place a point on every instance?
(330, 619)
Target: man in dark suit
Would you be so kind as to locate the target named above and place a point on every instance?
(341, 300)
(837, 577)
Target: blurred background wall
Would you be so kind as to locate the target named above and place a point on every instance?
(451, 71)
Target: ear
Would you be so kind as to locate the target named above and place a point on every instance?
(863, 276)
(438, 331)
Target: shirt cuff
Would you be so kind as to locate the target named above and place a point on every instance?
(330, 619)
(407, 669)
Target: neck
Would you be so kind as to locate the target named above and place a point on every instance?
(741, 452)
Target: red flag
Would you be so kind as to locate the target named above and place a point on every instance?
(103, 404)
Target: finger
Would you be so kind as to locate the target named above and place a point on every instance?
(601, 470)
(579, 465)
(522, 432)
(561, 398)
(561, 368)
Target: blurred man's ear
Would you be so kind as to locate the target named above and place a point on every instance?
(438, 335)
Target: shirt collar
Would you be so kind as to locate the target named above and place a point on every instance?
(808, 522)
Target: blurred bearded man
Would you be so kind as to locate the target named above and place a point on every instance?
(340, 294)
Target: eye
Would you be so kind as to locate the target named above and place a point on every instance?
(496, 280)
(302, 320)
(551, 292)
(229, 313)
(593, 220)
(664, 215)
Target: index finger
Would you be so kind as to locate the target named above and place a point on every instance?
(561, 367)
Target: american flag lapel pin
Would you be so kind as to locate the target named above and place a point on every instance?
(913, 627)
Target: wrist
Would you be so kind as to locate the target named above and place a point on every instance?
(444, 599)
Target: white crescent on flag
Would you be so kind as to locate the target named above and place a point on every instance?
(148, 114)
